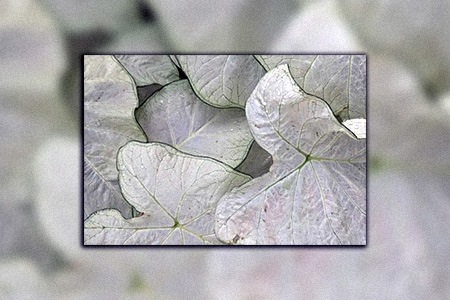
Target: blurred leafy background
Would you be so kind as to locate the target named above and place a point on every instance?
(408, 48)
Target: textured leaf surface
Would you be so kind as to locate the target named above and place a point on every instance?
(315, 190)
(109, 102)
(340, 80)
(177, 194)
(222, 80)
(176, 116)
(148, 69)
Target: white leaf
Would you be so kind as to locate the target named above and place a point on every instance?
(175, 116)
(315, 190)
(340, 80)
(109, 102)
(149, 69)
(177, 194)
(222, 80)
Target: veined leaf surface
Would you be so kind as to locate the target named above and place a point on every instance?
(176, 116)
(109, 102)
(149, 69)
(315, 190)
(222, 80)
(340, 80)
(176, 192)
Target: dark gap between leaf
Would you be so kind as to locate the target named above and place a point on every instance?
(144, 92)
(181, 73)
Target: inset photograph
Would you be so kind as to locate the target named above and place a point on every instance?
(225, 150)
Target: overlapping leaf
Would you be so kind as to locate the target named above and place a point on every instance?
(149, 69)
(109, 102)
(222, 80)
(177, 194)
(340, 80)
(176, 116)
(315, 190)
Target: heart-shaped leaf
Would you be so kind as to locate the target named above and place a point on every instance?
(177, 194)
(315, 190)
(176, 116)
(340, 80)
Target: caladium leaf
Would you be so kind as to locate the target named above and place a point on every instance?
(176, 192)
(109, 102)
(222, 80)
(176, 116)
(149, 69)
(340, 80)
(315, 190)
